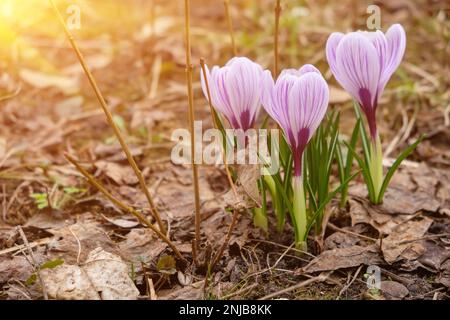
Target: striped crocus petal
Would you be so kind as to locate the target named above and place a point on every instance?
(235, 91)
(396, 44)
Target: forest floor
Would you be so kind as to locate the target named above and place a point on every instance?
(48, 109)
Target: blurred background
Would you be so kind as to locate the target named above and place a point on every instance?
(135, 49)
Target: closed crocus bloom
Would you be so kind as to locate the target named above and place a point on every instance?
(298, 102)
(235, 91)
(363, 63)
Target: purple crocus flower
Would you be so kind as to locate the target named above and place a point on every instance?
(297, 102)
(363, 63)
(235, 91)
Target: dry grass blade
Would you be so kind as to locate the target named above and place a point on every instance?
(110, 120)
(277, 26)
(226, 3)
(227, 239)
(33, 260)
(320, 278)
(191, 121)
(124, 206)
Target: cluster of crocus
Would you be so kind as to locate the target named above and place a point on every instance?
(362, 62)
(297, 101)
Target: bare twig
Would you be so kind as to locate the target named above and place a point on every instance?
(335, 228)
(124, 206)
(320, 278)
(350, 283)
(110, 120)
(226, 3)
(34, 264)
(78, 243)
(227, 239)
(427, 237)
(22, 246)
(277, 26)
(191, 120)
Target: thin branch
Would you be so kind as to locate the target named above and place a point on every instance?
(227, 239)
(110, 120)
(226, 3)
(277, 27)
(34, 264)
(191, 120)
(320, 278)
(123, 206)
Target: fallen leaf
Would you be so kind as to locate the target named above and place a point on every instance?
(119, 174)
(362, 212)
(68, 85)
(399, 201)
(394, 245)
(344, 258)
(140, 244)
(393, 290)
(123, 223)
(65, 245)
(110, 276)
(49, 219)
(246, 187)
(68, 282)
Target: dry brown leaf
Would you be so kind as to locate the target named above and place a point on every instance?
(110, 276)
(123, 223)
(49, 219)
(119, 174)
(103, 276)
(68, 282)
(68, 85)
(399, 201)
(344, 258)
(246, 187)
(393, 290)
(384, 223)
(140, 244)
(393, 246)
(65, 241)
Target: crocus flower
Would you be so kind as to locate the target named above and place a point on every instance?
(235, 91)
(297, 102)
(363, 63)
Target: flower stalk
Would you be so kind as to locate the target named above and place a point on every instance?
(299, 213)
(376, 163)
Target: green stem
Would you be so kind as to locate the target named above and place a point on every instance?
(260, 219)
(376, 166)
(276, 201)
(299, 213)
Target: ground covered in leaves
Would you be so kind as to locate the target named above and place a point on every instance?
(84, 247)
